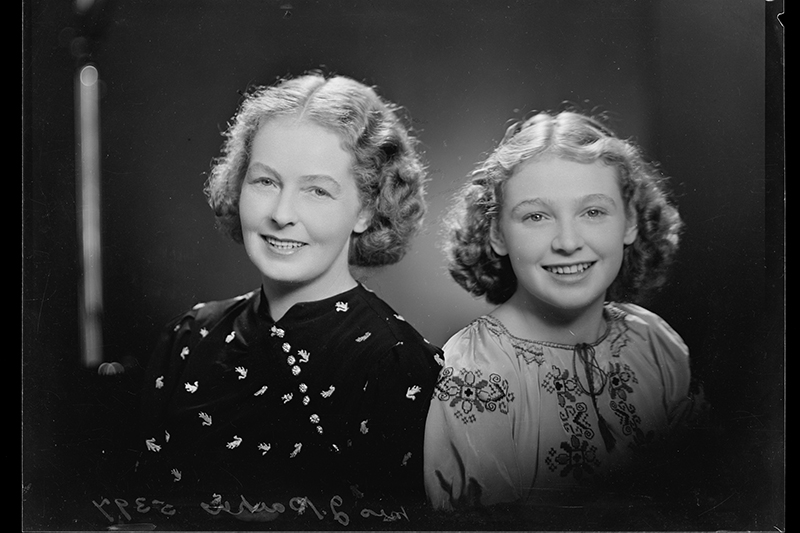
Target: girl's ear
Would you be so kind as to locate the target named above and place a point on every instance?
(496, 239)
(631, 229)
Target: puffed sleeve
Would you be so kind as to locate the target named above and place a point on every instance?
(388, 447)
(682, 400)
(469, 446)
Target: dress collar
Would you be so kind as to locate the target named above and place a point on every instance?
(305, 311)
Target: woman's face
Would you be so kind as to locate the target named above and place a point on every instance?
(299, 206)
(563, 225)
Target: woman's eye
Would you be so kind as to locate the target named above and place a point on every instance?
(594, 213)
(320, 192)
(533, 217)
(264, 181)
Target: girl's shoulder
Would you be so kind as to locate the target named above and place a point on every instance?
(631, 322)
(483, 342)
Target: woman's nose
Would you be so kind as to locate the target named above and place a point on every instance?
(568, 238)
(284, 211)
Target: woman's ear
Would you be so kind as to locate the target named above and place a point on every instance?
(363, 221)
(496, 239)
(631, 229)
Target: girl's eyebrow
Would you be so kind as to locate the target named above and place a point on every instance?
(547, 202)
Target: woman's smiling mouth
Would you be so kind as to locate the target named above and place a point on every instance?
(283, 245)
(576, 268)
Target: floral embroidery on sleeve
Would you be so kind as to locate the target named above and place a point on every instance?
(469, 394)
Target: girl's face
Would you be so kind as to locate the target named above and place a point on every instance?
(563, 225)
(299, 207)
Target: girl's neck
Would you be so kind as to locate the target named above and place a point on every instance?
(282, 297)
(542, 323)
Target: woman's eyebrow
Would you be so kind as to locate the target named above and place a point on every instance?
(263, 168)
(325, 179)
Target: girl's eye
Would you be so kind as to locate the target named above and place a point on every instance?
(594, 213)
(533, 217)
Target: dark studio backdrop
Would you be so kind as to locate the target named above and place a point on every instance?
(695, 83)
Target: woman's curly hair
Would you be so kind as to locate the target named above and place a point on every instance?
(475, 266)
(387, 167)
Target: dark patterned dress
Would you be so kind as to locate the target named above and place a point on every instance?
(331, 399)
(513, 420)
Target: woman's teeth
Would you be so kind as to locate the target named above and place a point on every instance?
(568, 269)
(284, 245)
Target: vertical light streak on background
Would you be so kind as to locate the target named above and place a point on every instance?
(88, 199)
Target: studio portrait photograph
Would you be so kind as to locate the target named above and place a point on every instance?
(418, 265)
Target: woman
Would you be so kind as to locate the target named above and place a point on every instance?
(310, 385)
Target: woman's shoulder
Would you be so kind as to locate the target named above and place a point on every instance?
(389, 331)
(204, 315)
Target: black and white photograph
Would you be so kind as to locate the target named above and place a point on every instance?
(416, 265)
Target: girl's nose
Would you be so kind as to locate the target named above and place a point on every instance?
(568, 238)
(284, 212)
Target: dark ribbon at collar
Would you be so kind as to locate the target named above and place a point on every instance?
(593, 372)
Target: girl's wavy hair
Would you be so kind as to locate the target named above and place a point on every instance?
(475, 266)
(387, 167)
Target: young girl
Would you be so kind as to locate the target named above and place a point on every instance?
(310, 385)
(565, 381)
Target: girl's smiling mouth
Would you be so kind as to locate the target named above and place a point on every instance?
(575, 268)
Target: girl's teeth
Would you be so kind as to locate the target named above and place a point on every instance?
(571, 269)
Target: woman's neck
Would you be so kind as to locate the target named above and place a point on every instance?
(537, 321)
(282, 297)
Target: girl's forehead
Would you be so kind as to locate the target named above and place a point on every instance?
(557, 177)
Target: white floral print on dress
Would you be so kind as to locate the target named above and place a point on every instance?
(191, 387)
(342, 307)
(234, 443)
(261, 391)
(242, 372)
(152, 446)
(206, 418)
(412, 392)
(297, 447)
(160, 382)
(230, 337)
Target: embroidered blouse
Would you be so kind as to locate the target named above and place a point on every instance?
(331, 398)
(513, 419)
